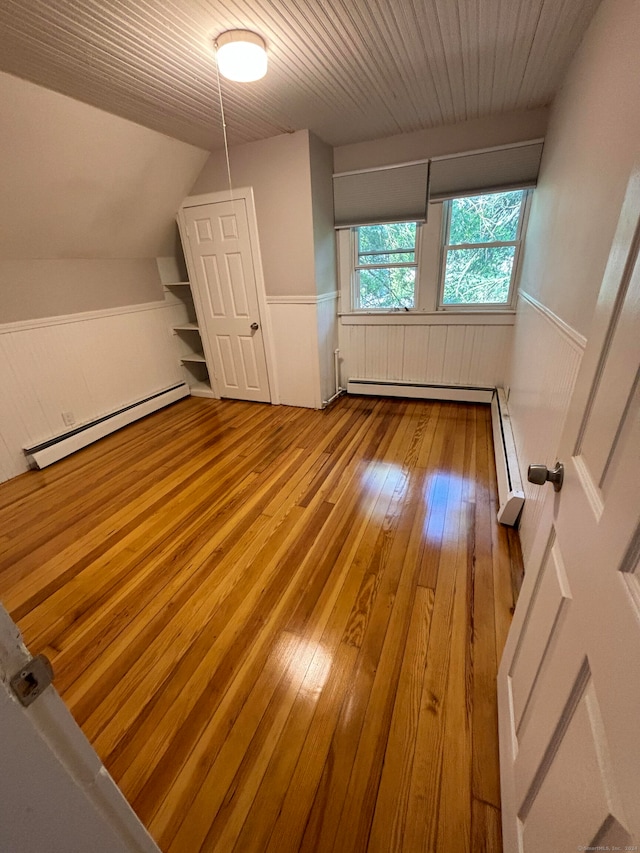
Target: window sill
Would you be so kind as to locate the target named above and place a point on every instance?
(465, 317)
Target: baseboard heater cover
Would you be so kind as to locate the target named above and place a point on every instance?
(420, 390)
(510, 491)
(47, 452)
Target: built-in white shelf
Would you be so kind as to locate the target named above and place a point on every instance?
(201, 389)
(187, 327)
(189, 349)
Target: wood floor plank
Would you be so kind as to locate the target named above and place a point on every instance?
(387, 832)
(279, 627)
(425, 791)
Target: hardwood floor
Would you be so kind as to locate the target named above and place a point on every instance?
(278, 627)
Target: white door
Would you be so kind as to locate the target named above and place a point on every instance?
(224, 283)
(569, 681)
(55, 794)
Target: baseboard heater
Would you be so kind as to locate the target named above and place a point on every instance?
(41, 455)
(510, 491)
(420, 390)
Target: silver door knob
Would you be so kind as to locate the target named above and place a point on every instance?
(540, 474)
(255, 327)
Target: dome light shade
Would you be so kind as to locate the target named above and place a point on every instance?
(241, 56)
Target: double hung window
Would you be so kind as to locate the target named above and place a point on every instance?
(386, 266)
(482, 236)
(465, 256)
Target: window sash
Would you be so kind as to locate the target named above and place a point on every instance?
(356, 302)
(447, 247)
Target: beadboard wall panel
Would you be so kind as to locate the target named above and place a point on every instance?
(327, 316)
(294, 322)
(457, 354)
(85, 364)
(546, 358)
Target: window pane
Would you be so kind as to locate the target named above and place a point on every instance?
(478, 275)
(485, 218)
(383, 238)
(387, 288)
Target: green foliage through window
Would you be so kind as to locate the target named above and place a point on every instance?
(386, 266)
(483, 234)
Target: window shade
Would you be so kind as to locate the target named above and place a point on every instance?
(514, 167)
(396, 194)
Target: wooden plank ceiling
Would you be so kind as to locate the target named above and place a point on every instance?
(349, 70)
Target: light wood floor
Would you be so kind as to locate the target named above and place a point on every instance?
(278, 627)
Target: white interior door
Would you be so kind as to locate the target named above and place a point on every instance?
(224, 282)
(569, 681)
(55, 794)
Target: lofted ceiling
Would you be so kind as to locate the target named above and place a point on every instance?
(350, 70)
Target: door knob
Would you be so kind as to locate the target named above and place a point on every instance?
(540, 474)
(255, 327)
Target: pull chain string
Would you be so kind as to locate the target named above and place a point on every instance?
(224, 126)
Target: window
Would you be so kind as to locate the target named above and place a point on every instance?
(482, 237)
(465, 256)
(386, 265)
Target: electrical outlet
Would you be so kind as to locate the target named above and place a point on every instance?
(68, 418)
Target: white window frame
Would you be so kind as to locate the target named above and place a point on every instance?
(509, 304)
(356, 269)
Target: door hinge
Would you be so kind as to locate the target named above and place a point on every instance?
(29, 682)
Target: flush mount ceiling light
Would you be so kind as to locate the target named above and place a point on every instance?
(241, 55)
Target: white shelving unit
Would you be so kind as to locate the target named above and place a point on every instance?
(187, 333)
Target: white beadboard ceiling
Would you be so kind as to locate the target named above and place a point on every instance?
(350, 70)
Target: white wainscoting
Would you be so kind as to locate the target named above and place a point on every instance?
(545, 360)
(472, 353)
(327, 306)
(304, 335)
(295, 341)
(87, 364)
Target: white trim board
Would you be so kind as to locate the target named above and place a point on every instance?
(311, 299)
(57, 448)
(568, 331)
(82, 317)
(420, 391)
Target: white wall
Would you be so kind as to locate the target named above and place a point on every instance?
(437, 141)
(291, 176)
(324, 248)
(592, 141)
(441, 353)
(87, 201)
(278, 170)
(89, 365)
(452, 348)
(428, 346)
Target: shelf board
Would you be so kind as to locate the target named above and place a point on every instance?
(187, 327)
(194, 356)
(202, 392)
(200, 389)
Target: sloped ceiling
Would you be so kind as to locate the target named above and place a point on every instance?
(350, 70)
